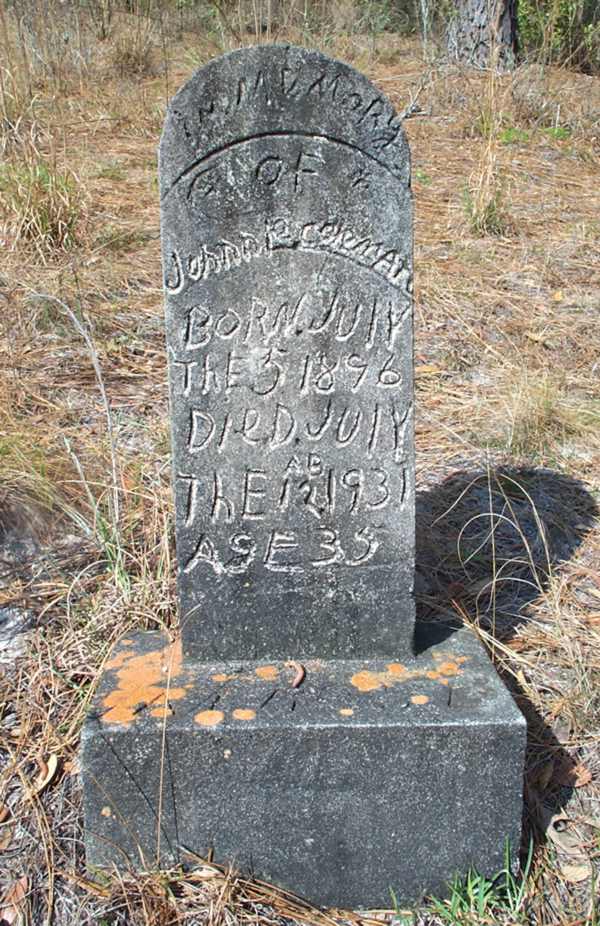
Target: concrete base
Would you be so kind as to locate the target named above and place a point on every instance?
(368, 776)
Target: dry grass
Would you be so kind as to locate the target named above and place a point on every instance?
(41, 206)
(508, 444)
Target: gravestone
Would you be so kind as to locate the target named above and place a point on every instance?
(287, 246)
(292, 730)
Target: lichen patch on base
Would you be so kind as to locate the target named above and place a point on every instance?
(367, 681)
(143, 679)
(209, 718)
(267, 673)
(395, 673)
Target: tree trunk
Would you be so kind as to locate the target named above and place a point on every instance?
(483, 33)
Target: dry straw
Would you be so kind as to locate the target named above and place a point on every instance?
(508, 389)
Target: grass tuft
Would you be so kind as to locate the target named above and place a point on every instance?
(41, 206)
(17, 107)
(512, 135)
(476, 899)
(484, 198)
(543, 416)
(485, 208)
(133, 53)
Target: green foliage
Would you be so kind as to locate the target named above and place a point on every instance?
(375, 16)
(473, 896)
(422, 177)
(401, 917)
(561, 31)
(514, 136)
(531, 21)
(558, 132)
(476, 899)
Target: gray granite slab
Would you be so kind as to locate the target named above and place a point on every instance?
(371, 775)
(287, 249)
(291, 731)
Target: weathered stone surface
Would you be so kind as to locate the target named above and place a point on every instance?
(287, 250)
(372, 775)
(287, 247)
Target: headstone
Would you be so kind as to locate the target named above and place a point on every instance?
(292, 731)
(287, 247)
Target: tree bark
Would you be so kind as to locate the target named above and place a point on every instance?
(483, 33)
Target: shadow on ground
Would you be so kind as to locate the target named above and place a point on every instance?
(487, 544)
(488, 541)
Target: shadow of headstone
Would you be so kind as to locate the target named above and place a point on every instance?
(488, 540)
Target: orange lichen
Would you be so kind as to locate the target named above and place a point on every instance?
(346, 711)
(395, 673)
(127, 642)
(441, 656)
(419, 699)
(221, 677)
(367, 681)
(267, 673)
(143, 679)
(209, 718)
(448, 668)
(117, 661)
(161, 712)
(244, 713)
(106, 812)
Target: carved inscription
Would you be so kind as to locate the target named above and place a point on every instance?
(287, 253)
(321, 489)
(257, 386)
(333, 237)
(343, 317)
(237, 179)
(290, 85)
(368, 112)
(290, 341)
(372, 428)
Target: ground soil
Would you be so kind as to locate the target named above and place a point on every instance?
(507, 257)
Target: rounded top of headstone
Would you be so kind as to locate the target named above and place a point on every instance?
(286, 225)
(264, 90)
